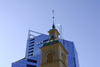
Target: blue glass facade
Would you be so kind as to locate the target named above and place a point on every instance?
(33, 53)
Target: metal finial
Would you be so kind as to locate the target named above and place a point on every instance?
(53, 16)
(53, 27)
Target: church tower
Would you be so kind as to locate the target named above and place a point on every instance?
(53, 54)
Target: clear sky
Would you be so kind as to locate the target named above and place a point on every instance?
(80, 20)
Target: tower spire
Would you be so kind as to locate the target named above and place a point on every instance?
(53, 16)
(53, 26)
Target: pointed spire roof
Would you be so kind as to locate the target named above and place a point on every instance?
(53, 26)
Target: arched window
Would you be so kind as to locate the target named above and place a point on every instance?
(50, 57)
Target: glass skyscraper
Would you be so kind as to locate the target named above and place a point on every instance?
(33, 53)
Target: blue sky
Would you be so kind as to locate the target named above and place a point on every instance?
(80, 20)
